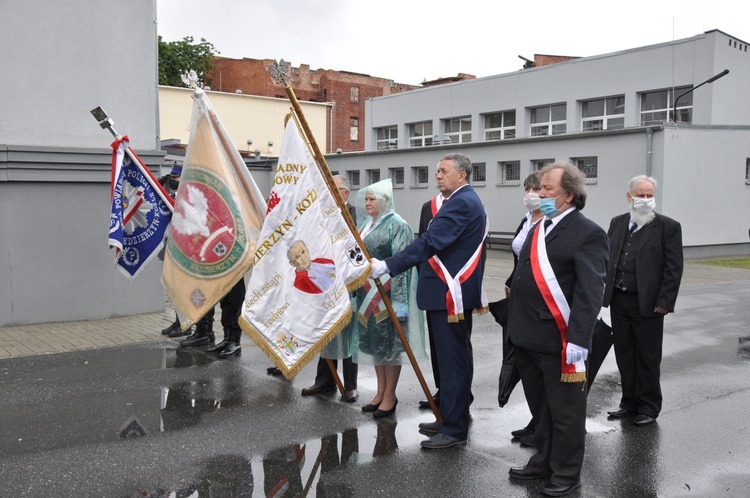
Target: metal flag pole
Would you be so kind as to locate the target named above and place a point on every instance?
(280, 72)
(106, 123)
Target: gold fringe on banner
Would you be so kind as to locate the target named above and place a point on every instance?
(262, 342)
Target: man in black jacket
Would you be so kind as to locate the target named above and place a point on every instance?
(643, 278)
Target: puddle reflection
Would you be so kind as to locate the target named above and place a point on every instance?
(743, 351)
(298, 470)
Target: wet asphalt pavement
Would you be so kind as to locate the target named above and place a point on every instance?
(157, 420)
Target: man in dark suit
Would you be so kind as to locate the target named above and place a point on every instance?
(449, 252)
(429, 210)
(643, 278)
(324, 381)
(555, 298)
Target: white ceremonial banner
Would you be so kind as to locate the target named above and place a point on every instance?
(305, 265)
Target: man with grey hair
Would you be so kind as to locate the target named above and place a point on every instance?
(643, 278)
(449, 288)
(555, 298)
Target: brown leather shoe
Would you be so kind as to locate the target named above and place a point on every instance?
(350, 396)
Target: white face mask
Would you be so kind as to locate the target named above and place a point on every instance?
(531, 201)
(643, 206)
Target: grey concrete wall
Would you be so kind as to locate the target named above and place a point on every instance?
(60, 60)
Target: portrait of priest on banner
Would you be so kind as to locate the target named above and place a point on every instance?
(313, 276)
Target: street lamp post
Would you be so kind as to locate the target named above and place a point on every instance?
(709, 80)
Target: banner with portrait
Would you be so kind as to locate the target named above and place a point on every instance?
(306, 263)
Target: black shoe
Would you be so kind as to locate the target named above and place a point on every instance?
(425, 405)
(274, 371)
(384, 413)
(440, 441)
(644, 420)
(525, 474)
(174, 326)
(179, 333)
(429, 428)
(317, 389)
(527, 441)
(370, 408)
(233, 349)
(197, 339)
(218, 348)
(528, 430)
(553, 489)
(620, 413)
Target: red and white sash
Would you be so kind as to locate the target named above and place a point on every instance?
(454, 302)
(555, 300)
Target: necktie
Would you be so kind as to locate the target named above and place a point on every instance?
(547, 223)
(633, 227)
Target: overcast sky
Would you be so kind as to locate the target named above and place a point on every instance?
(411, 41)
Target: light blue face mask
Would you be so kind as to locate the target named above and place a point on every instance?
(548, 207)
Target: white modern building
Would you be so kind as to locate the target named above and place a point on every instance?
(609, 114)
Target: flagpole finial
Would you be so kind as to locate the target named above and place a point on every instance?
(280, 72)
(103, 119)
(190, 79)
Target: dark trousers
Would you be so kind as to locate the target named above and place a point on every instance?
(433, 357)
(455, 360)
(231, 305)
(638, 350)
(559, 409)
(324, 376)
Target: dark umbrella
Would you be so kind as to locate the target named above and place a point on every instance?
(509, 375)
(601, 342)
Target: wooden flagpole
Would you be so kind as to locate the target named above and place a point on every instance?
(279, 71)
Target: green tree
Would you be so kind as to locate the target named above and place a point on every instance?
(178, 57)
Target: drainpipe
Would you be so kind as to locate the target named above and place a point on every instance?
(649, 149)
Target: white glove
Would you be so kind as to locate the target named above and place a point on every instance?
(574, 354)
(379, 268)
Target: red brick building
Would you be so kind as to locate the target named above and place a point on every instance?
(346, 90)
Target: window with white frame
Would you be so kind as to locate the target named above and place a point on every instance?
(603, 114)
(421, 176)
(509, 173)
(420, 134)
(537, 164)
(373, 176)
(387, 137)
(353, 178)
(354, 129)
(478, 174)
(397, 177)
(458, 130)
(656, 106)
(589, 166)
(548, 120)
(500, 125)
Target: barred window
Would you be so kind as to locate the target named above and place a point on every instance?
(589, 166)
(397, 177)
(537, 164)
(373, 176)
(509, 173)
(421, 176)
(353, 178)
(478, 174)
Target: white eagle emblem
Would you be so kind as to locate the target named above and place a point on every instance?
(193, 218)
